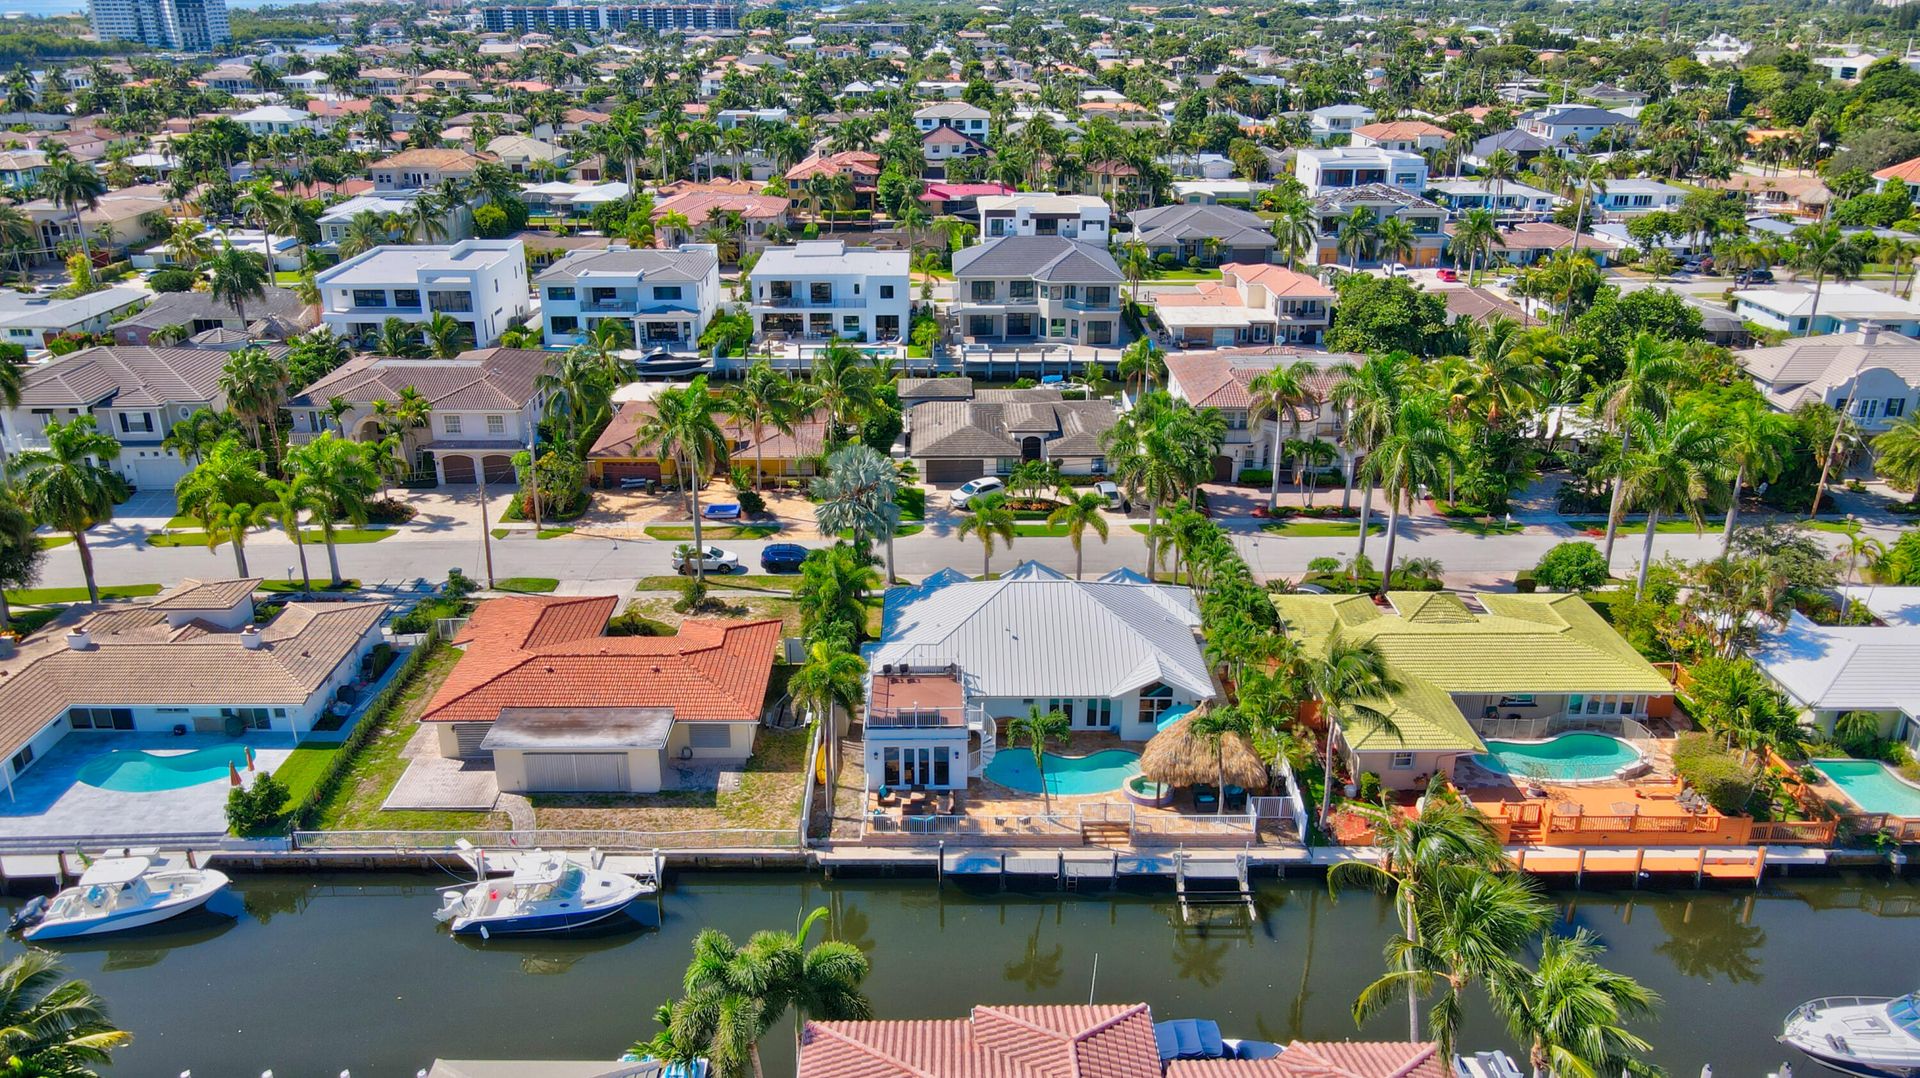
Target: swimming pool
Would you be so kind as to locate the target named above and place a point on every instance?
(137, 771)
(1098, 773)
(1873, 786)
(1567, 758)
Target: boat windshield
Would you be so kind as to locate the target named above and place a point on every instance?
(1905, 1013)
(569, 883)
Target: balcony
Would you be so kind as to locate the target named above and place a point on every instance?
(799, 303)
(1090, 305)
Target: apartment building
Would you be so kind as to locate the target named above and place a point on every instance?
(480, 283)
(183, 25)
(1086, 218)
(1037, 288)
(666, 297)
(1333, 168)
(821, 289)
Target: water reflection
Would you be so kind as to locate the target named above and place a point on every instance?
(1036, 969)
(1712, 939)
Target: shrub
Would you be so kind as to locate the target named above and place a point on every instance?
(1571, 566)
(173, 280)
(490, 223)
(389, 511)
(1323, 564)
(1256, 477)
(631, 622)
(422, 617)
(253, 810)
(751, 503)
(1714, 773)
(1369, 787)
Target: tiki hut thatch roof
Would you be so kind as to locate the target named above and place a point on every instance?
(1178, 756)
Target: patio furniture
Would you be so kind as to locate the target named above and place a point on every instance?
(1236, 799)
(1205, 797)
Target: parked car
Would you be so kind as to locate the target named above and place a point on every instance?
(1111, 492)
(978, 488)
(783, 557)
(1448, 275)
(1698, 265)
(1754, 277)
(712, 560)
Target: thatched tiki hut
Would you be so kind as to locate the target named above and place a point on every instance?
(1181, 755)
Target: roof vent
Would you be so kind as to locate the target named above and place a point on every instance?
(250, 637)
(80, 640)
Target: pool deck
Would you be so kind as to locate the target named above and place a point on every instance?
(50, 803)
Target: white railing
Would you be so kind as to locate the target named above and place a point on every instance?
(1539, 727)
(1063, 826)
(447, 841)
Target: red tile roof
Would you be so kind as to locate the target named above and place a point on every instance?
(1325, 1059)
(1905, 171)
(996, 1042)
(553, 652)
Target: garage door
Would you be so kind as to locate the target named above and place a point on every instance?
(571, 772)
(469, 735)
(615, 470)
(457, 469)
(952, 471)
(499, 468)
(154, 474)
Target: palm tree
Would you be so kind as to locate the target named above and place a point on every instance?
(1755, 441)
(363, 233)
(1144, 455)
(399, 338)
(1038, 730)
(235, 276)
(68, 486)
(1294, 234)
(228, 474)
(1142, 364)
(1370, 396)
(284, 503)
(1590, 176)
(1500, 166)
(987, 518)
(1354, 686)
(187, 244)
(339, 479)
(1280, 394)
(74, 186)
(846, 385)
(1416, 452)
(1652, 370)
(1570, 1012)
(1078, 514)
(1896, 454)
(833, 676)
(444, 334)
(1826, 251)
(1475, 236)
(1136, 262)
(50, 1026)
(684, 429)
(860, 494)
(1396, 239)
(579, 384)
(1355, 236)
(1672, 469)
(763, 399)
(259, 201)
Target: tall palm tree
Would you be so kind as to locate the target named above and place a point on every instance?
(1416, 452)
(1826, 251)
(50, 1026)
(846, 385)
(339, 479)
(74, 186)
(68, 486)
(578, 384)
(1078, 514)
(1896, 454)
(1652, 371)
(229, 474)
(764, 399)
(259, 201)
(254, 381)
(1355, 239)
(1395, 239)
(832, 677)
(684, 429)
(1370, 396)
(1354, 686)
(1039, 730)
(235, 276)
(1571, 1012)
(1589, 176)
(1672, 469)
(1475, 235)
(1280, 394)
(988, 518)
(285, 502)
(1294, 234)
(1755, 441)
(444, 334)
(1144, 457)
(1136, 262)
(860, 494)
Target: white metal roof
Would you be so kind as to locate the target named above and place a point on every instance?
(1844, 668)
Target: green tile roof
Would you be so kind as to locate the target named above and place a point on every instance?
(1437, 646)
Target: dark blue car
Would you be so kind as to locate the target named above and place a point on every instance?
(783, 557)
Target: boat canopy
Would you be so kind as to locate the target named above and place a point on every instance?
(115, 872)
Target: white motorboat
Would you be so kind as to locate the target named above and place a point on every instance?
(118, 894)
(1867, 1036)
(547, 892)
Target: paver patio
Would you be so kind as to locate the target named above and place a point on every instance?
(50, 802)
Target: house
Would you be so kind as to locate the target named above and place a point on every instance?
(1796, 196)
(1827, 671)
(277, 315)
(1508, 200)
(33, 320)
(1098, 1041)
(943, 144)
(1721, 48)
(1223, 380)
(1573, 125)
(1907, 172)
(1630, 197)
(1475, 666)
(441, 81)
(1039, 288)
(1879, 372)
(266, 120)
(821, 289)
(620, 453)
(957, 658)
(1523, 243)
(522, 155)
(1198, 166)
(1338, 167)
(1251, 304)
(666, 297)
(195, 657)
(1407, 136)
(385, 81)
(1081, 217)
(993, 430)
(1609, 96)
(558, 706)
(21, 169)
(135, 394)
(1207, 234)
(129, 215)
(1848, 68)
(481, 283)
(759, 214)
(969, 120)
(1523, 145)
(333, 222)
(1332, 208)
(410, 170)
(484, 407)
(1843, 308)
(565, 198)
(1337, 122)
(857, 165)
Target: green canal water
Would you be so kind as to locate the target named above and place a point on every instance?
(325, 973)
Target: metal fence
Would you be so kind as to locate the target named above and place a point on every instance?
(447, 841)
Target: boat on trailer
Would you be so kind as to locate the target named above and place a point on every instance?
(1865, 1036)
(547, 892)
(119, 894)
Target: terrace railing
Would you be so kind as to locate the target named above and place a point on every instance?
(415, 842)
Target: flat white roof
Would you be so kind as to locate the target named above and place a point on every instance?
(387, 265)
(829, 257)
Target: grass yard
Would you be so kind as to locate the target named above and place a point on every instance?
(1040, 530)
(349, 536)
(774, 585)
(1319, 529)
(543, 533)
(526, 585)
(48, 542)
(355, 803)
(1484, 527)
(906, 529)
(183, 521)
(734, 605)
(44, 596)
(1838, 527)
(1175, 276)
(768, 798)
(282, 587)
(1634, 527)
(709, 532)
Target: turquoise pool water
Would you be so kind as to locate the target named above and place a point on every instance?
(1869, 784)
(1567, 758)
(136, 771)
(1102, 772)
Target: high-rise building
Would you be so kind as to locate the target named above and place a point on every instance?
(696, 15)
(187, 25)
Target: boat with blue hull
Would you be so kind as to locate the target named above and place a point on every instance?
(547, 893)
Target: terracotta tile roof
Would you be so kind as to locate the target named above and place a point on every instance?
(1279, 280)
(852, 162)
(809, 437)
(191, 594)
(1905, 171)
(698, 206)
(441, 159)
(1224, 378)
(1325, 1059)
(553, 652)
(1401, 129)
(996, 1042)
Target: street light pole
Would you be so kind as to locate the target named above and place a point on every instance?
(486, 534)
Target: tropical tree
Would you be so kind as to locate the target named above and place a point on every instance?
(860, 493)
(1827, 252)
(1353, 684)
(832, 677)
(20, 550)
(1077, 514)
(49, 1026)
(1135, 263)
(1475, 236)
(1651, 372)
(846, 385)
(1671, 470)
(74, 186)
(988, 518)
(1279, 394)
(579, 385)
(235, 276)
(1142, 364)
(1370, 395)
(684, 429)
(444, 334)
(222, 487)
(764, 399)
(1896, 454)
(1755, 441)
(338, 479)
(1355, 238)
(399, 338)
(285, 502)
(254, 382)
(1144, 454)
(1415, 453)
(1039, 730)
(1571, 1012)
(68, 487)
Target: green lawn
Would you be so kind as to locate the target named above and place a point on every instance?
(1841, 527)
(1634, 527)
(1039, 530)
(184, 521)
(281, 587)
(774, 585)
(1307, 528)
(543, 533)
(349, 536)
(48, 542)
(526, 585)
(180, 539)
(905, 530)
(684, 532)
(1484, 527)
(43, 596)
(1170, 276)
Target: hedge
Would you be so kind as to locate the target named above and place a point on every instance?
(306, 807)
(1713, 772)
(1256, 477)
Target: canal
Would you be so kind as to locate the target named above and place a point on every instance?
(325, 973)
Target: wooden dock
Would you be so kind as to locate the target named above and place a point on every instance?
(1729, 864)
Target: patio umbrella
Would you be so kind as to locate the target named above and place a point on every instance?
(1177, 756)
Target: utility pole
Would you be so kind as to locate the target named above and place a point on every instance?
(486, 535)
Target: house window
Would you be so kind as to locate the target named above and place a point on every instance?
(452, 424)
(140, 422)
(369, 297)
(709, 736)
(406, 297)
(1020, 291)
(1056, 327)
(564, 295)
(1896, 407)
(564, 324)
(22, 758)
(496, 424)
(1402, 761)
(251, 718)
(886, 291)
(981, 291)
(667, 292)
(1155, 701)
(1064, 707)
(100, 718)
(850, 324)
(1100, 714)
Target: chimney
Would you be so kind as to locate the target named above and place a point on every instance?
(80, 640)
(1869, 333)
(250, 637)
